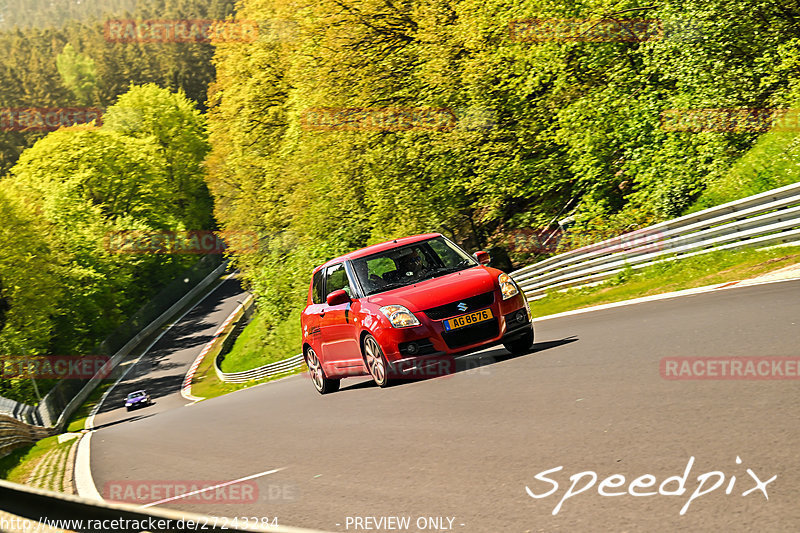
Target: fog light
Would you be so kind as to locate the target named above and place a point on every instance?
(412, 348)
(520, 316)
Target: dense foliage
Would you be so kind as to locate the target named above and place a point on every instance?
(56, 54)
(544, 129)
(62, 287)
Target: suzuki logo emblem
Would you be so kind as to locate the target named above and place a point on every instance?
(462, 306)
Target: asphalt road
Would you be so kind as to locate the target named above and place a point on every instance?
(161, 370)
(589, 397)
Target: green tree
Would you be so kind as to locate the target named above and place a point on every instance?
(29, 291)
(78, 73)
(83, 183)
(175, 125)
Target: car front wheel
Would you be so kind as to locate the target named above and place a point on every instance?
(323, 384)
(376, 362)
(521, 345)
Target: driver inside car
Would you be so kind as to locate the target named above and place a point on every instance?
(411, 264)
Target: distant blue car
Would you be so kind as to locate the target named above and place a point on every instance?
(136, 399)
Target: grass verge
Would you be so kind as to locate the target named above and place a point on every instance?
(78, 419)
(206, 384)
(256, 346)
(18, 465)
(259, 344)
(697, 271)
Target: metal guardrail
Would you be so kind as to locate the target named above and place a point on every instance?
(763, 219)
(272, 369)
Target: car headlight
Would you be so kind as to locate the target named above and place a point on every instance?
(507, 286)
(399, 316)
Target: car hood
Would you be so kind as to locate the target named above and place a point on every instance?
(136, 400)
(440, 291)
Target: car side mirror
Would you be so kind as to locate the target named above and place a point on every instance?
(338, 297)
(483, 257)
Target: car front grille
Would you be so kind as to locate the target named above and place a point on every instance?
(473, 304)
(471, 334)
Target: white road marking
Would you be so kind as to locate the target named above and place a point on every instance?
(198, 491)
(728, 285)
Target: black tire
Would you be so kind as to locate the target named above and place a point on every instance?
(521, 345)
(376, 363)
(322, 383)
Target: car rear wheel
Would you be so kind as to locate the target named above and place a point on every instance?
(521, 345)
(376, 362)
(322, 383)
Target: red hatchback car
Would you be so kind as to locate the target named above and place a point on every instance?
(389, 309)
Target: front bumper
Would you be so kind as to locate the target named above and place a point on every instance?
(407, 347)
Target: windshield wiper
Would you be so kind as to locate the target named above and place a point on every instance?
(387, 287)
(462, 265)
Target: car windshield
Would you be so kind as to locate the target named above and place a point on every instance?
(410, 264)
(136, 394)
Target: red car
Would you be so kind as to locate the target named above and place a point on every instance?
(389, 309)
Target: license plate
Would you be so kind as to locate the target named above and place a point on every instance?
(468, 319)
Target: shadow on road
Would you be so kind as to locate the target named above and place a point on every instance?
(127, 419)
(444, 366)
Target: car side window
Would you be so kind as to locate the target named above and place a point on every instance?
(336, 278)
(316, 287)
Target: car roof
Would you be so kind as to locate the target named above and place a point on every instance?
(377, 248)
